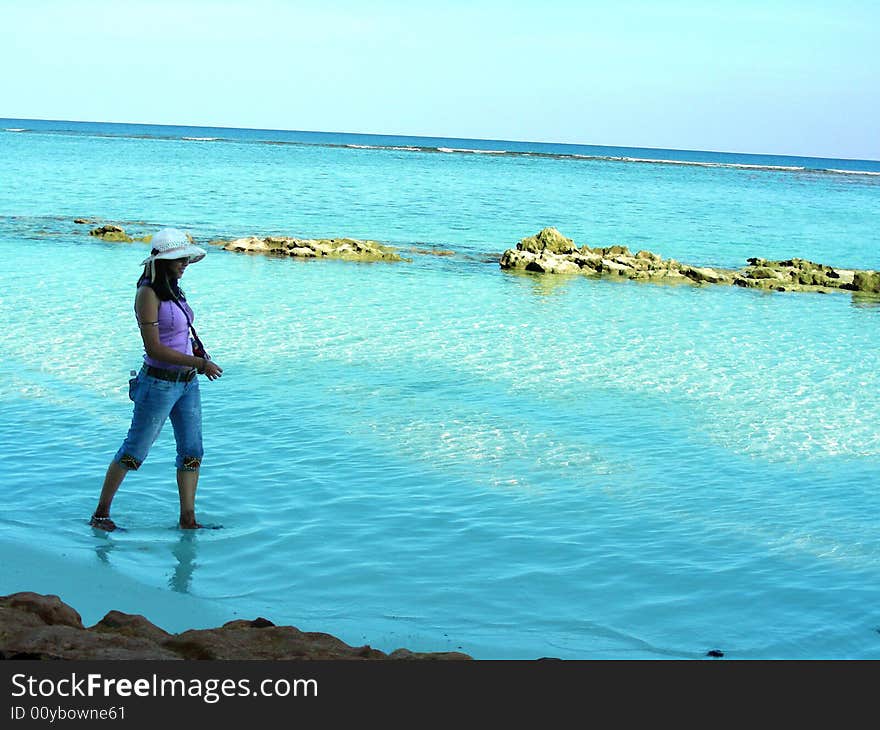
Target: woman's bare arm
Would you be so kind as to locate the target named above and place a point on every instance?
(146, 306)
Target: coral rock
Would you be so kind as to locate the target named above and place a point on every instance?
(34, 626)
(351, 249)
(547, 239)
(111, 232)
(549, 252)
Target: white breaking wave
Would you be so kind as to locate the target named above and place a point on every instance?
(14, 129)
(407, 148)
(695, 163)
(476, 152)
(201, 139)
(853, 172)
(766, 167)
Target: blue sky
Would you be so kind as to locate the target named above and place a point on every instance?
(774, 77)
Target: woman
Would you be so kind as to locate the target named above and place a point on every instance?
(167, 385)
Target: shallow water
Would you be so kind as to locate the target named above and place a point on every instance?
(441, 455)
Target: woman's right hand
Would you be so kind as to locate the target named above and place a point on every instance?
(212, 370)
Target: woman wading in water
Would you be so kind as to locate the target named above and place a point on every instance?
(167, 387)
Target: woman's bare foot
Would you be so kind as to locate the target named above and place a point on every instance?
(102, 523)
(188, 522)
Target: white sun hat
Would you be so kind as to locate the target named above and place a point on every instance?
(172, 243)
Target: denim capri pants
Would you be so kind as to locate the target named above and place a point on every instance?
(155, 401)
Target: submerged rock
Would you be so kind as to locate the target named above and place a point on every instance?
(432, 251)
(550, 252)
(35, 626)
(349, 249)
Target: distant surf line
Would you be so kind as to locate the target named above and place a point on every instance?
(430, 149)
(611, 158)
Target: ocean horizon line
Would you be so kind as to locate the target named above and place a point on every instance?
(443, 137)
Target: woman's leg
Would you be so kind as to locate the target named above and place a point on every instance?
(151, 407)
(112, 479)
(187, 483)
(186, 418)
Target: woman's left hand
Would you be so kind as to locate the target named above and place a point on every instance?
(212, 370)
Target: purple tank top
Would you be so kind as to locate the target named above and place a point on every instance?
(173, 333)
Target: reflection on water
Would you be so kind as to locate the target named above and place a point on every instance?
(864, 300)
(545, 284)
(185, 552)
(104, 548)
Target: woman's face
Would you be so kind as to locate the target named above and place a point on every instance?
(176, 267)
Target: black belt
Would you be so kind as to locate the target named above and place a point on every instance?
(172, 375)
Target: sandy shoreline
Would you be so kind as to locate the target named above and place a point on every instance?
(120, 618)
(31, 568)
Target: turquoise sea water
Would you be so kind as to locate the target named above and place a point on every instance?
(438, 454)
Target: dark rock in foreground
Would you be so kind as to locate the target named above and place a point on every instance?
(550, 252)
(35, 626)
(349, 249)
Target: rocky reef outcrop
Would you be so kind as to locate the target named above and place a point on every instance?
(349, 249)
(550, 252)
(36, 626)
(111, 232)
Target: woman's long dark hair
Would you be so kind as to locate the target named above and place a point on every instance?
(166, 287)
